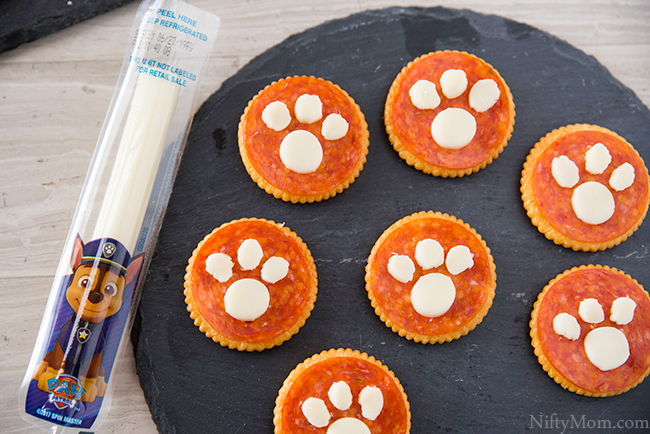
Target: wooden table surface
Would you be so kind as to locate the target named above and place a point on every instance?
(54, 94)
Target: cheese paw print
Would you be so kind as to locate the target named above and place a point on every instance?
(303, 139)
(433, 294)
(606, 347)
(340, 397)
(454, 127)
(588, 329)
(301, 150)
(250, 284)
(593, 201)
(247, 299)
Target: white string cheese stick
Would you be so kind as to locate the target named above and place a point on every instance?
(136, 163)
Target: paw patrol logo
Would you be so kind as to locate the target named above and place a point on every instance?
(65, 391)
(108, 250)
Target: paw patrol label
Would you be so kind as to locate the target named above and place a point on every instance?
(92, 306)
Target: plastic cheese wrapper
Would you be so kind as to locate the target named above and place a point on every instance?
(96, 289)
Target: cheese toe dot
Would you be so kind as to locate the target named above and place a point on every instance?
(276, 116)
(249, 254)
(308, 108)
(219, 265)
(622, 177)
(565, 172)
(453, 128)
(566, 325)
(424, 95)
(622, 310)
(401, 267)
(340, 395)
(334, 127)
(484, 94)
(453, 82)
(429, 254)
(316, 412)
(591, 311)
(275, 269)
(372, 402)
(597, 158)
(459, 259)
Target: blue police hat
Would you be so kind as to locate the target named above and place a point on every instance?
(108, 251)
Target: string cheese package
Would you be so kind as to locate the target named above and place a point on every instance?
(89, 313)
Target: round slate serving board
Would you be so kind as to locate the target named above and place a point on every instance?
(488, 381)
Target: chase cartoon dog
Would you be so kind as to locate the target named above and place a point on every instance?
(102, 269)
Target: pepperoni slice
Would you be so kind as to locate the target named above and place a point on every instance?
(566, 360)
(291, 298)
(550, 205)
(342, 158)
(410, 128)
(313, 379)
(391, 298)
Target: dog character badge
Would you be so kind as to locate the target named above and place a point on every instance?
(73, 370)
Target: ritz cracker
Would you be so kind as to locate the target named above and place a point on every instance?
(89, 313)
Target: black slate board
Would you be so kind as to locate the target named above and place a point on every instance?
(24, 21)
(488, 381)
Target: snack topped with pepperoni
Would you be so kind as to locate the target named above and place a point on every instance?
(585, 187)
(303, 139)
(431, 278)
(589, 331)
(250, 284)
(342, 391)
(449, 113)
